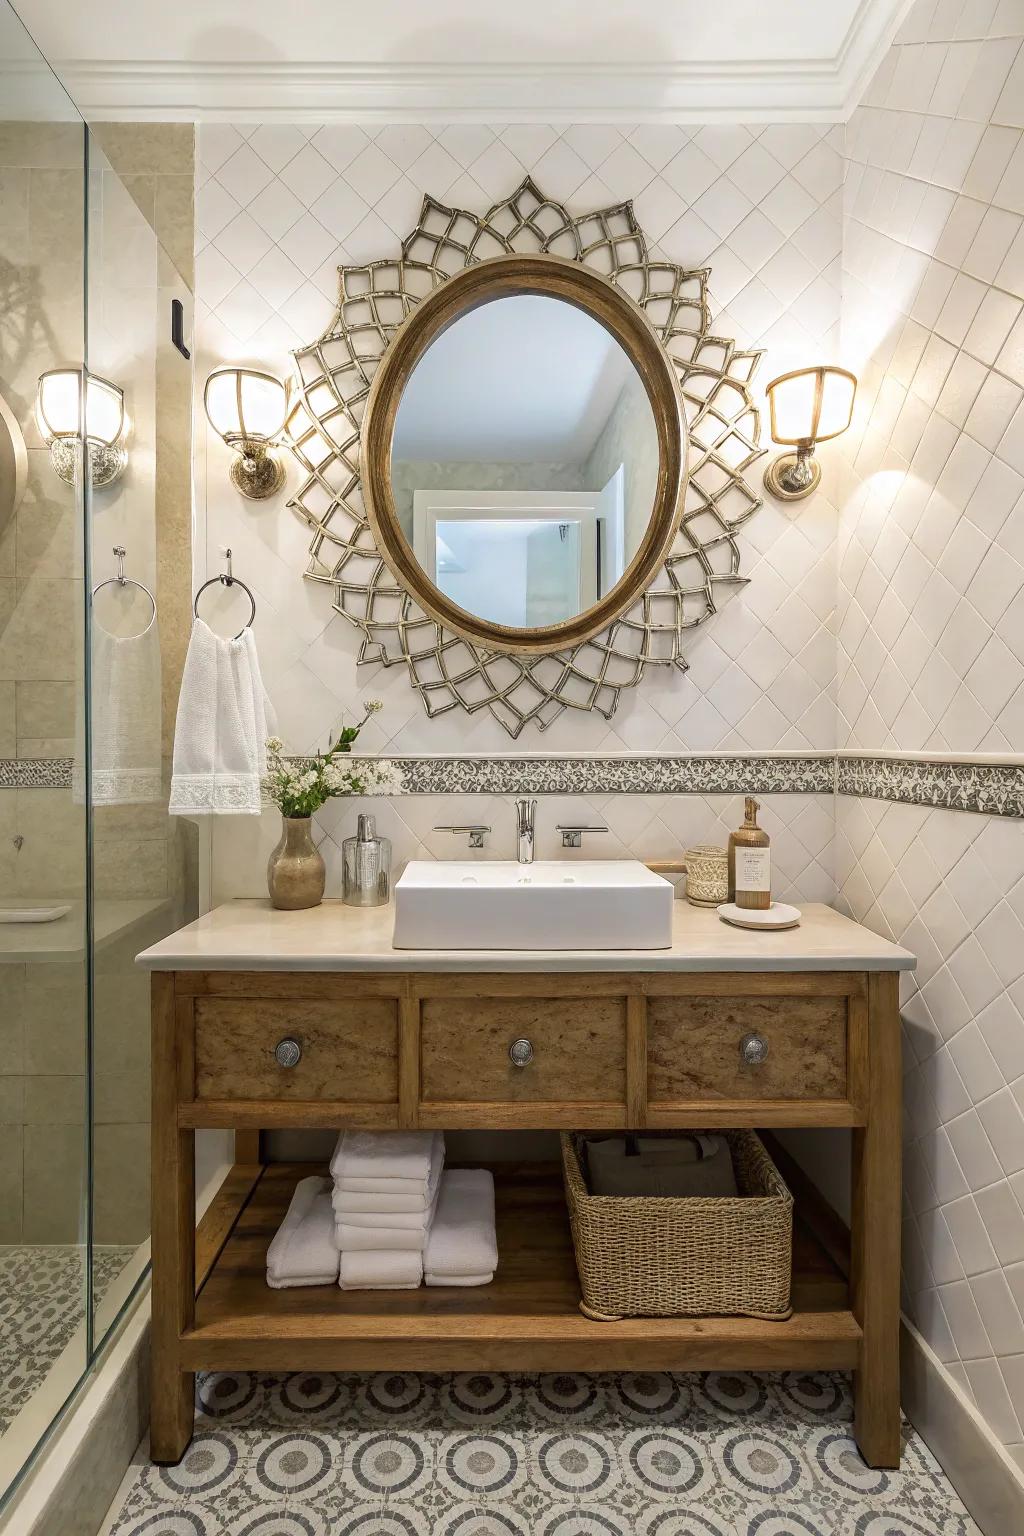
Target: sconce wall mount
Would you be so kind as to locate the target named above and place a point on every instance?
(75, 408)
(808, 406)
(247, 408)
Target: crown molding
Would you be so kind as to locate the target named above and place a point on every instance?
(773, 91)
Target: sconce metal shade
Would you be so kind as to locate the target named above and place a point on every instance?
(61, 404)
(807, 406)
(248, 409)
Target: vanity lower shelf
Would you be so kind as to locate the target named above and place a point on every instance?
(527, 1319)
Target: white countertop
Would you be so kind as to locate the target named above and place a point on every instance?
(251, 936)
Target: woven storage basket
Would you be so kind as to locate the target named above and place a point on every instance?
(654, 1257)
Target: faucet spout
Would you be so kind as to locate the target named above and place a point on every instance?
(526, 811)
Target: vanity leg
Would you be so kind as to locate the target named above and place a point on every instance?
(875, 1232)
(173, 1198)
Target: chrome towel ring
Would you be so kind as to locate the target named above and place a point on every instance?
(121, 580)
(228, 579)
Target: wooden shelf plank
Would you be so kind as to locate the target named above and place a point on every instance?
(528, 1318)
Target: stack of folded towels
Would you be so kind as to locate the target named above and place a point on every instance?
(386, 1190)
(388, 1217)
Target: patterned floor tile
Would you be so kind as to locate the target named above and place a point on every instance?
(42, 1302)
(637, 1454)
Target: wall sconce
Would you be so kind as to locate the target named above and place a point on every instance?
(808, 406)
(248, 409)
(59, 415)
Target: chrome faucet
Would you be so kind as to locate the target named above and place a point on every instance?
(526, 811)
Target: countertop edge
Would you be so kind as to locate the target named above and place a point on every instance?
(545, 960)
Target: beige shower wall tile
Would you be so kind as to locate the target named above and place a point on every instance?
(119, 1098)
(12, 1162)
(46, 748)
(133, 148)
(121, 1183)
(14, 246)
(8, 720)
(131, 868)
(12, 1101)
(175, 221)
(45, 708)
(51, 861)
(42, 144)
(53, 1100)
(38, 628)
(12, 1021)
(56, 209)
(54, 1014)
(45, 523)
(54, 1181)
(121, 1029)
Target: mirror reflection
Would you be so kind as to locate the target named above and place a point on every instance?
(524, 461)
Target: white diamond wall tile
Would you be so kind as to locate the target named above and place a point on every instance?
(282, 205)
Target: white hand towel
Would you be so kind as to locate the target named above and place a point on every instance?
(381, 1270)
(350, 1204)
(303, 1251)
(220, 732)
(125, 764)
(457, 1280)
(415, 1187)
(365, 1239)
(391, 1154)
(382, 1228)
(462, 1239)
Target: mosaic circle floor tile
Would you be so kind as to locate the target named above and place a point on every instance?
(480, 1454)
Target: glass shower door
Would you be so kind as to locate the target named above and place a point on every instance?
(44, 927)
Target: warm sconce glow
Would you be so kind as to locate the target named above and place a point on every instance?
(807, 406)
(248, 409)
(59, 415)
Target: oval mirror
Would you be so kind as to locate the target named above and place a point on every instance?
(525, 454)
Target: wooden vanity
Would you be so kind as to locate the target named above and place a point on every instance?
(398, 1038)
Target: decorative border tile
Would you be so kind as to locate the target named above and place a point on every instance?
(35, 772)
(639, 775)
(993, 789)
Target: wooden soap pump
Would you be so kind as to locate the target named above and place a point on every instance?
(750, 875)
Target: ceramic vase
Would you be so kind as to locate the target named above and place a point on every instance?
(295, 871)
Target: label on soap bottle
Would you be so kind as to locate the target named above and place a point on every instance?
(753, 869)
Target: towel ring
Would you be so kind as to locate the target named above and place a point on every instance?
(121, 580)
(228, 579)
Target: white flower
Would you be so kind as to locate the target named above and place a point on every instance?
(373, 705)
(275, 744)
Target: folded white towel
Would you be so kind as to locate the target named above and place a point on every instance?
(352, 1204)
(462, 1239)
(125, 724)
(363, 1239)
(457, 1280)
(385, 1186)
(303, 1251)
(391, 1154)
(221, 728)
(381, 1270)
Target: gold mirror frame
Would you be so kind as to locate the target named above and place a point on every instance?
(505, 277)
(332, 384)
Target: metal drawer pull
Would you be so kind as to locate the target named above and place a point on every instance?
(520, 1053)
(288, 1053)
(754, 1050)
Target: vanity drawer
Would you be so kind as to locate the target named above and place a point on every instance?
(348, 1049)
(578, 1047)
(695, 1048)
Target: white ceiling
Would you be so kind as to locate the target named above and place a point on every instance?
(460, 58)
(518, 381)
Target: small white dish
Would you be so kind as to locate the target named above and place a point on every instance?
(778, 915)
(32, 914)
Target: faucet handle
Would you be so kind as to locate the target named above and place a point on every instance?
(476, 834)
(572, 837)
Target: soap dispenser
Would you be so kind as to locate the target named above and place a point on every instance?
(366, 866)
(750, 867)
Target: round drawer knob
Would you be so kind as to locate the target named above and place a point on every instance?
(754, 1050)
(288, 1053)
(520, 1053)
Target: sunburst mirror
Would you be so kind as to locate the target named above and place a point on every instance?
(524, 456)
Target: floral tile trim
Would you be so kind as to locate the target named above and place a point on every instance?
(994, 789)
(640, 775)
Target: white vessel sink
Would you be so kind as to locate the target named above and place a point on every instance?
(601, 904)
